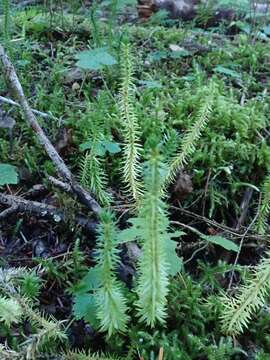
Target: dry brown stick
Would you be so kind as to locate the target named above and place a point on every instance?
(35, 208)
(15, 87)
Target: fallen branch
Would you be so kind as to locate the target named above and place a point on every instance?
(41, 210)
(60, 184)
(11, 210)
(232, 231)
(16, 89)
(14, 103)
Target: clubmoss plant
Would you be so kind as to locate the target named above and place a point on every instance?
(111, 303)
(131, 133)
(250, 297)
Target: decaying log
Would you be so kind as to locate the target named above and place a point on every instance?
(16, 89)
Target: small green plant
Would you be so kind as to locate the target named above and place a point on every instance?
(264, 209)
(16, 307)
(30, 285)
(190, 138)
(99, 297)
(132, 148)
(250, 297)
(151, 226)
(208, 107)
(111, 304)
(6, 23)
(159, 258)
(80, 355)
(93, 174)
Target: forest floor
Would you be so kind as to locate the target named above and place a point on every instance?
(214, 201)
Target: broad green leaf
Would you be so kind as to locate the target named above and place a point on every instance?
(158, 55)
(180, 53)
(86, 145)
(174, 261)
(84, 307)
(100, 149)
(188, 78)
(136, 222)
(91, 281)
(95, 59)
(221, 241)
(225, 71)
(8, 174)
(111, 147)
(266, 30)
(150, 84)
(177, 233)
(158, 17)
(119, 4)
(128, 235)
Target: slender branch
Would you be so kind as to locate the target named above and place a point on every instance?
(15, 87)
(18, 204)
(232, 231)
(60, 184)
(241, 245)
(244, 207)
(8, 211)
(14, 103)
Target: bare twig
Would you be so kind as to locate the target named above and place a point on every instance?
(14, 85)
(36, 191)
(14, 103)
(187, 227)
(206, 190)
(232, 231)
(41, 210)
(60, 184)
(241, 245)
(244, 207)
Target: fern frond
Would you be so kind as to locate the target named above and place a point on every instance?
(111, 303)
(188, 144)
(152, 224)
(131, 132)
(238, 311)
(94, 178)
(264, 210)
